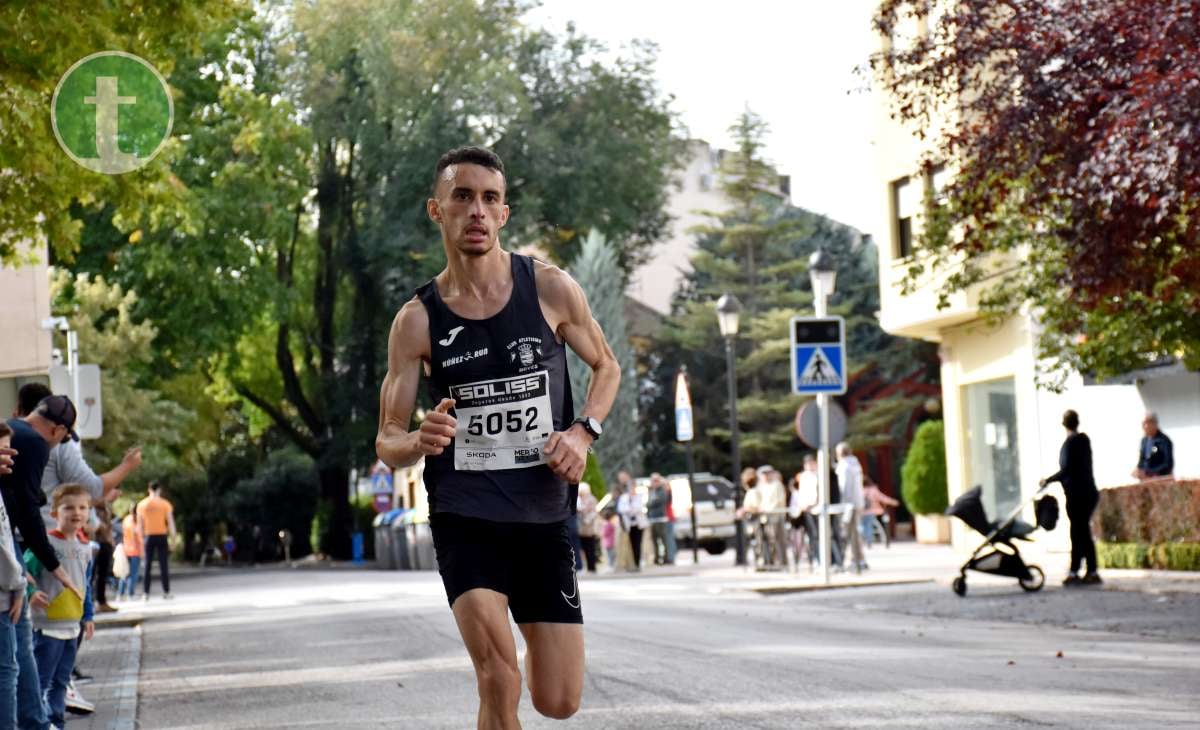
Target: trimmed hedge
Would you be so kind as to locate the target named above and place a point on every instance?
(923, 476)
(1149, 513)
(1163, 556)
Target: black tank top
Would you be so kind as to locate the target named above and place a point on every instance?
(508, 377)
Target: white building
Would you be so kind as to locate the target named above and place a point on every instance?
(25, 348)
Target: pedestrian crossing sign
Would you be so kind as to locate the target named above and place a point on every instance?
(818, 355)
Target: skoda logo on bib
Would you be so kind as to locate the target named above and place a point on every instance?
(508, 420)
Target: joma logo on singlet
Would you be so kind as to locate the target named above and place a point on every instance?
(496, 388)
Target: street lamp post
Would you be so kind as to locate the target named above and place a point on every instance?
(728, 309)
(823, 276)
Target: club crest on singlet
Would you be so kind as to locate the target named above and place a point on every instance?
(503, 423)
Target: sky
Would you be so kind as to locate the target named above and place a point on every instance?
(790, 61)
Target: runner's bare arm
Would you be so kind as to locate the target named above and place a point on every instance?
(571, 318)
(408, 347)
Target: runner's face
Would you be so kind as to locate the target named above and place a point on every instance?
(470, 208)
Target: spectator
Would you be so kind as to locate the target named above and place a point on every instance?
(66, 463)
(770, 504)
(587, 517)
(47, 424)
(1156, 457)
(610, 541)
(133, 541)
(877, 504)
(656, 515)
(102, 571)
(6, 452)
(156, 517)
(633, 518)
(1079, 486)
(850, 479)
(672, 546)
(804, 496)
(12, 602)
(57, 619)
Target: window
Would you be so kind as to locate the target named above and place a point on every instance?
(992, 444)
(938, 177)
(906, 201)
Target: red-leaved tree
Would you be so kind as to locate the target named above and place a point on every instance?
(1073, 130)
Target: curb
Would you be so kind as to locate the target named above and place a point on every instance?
(779, 590)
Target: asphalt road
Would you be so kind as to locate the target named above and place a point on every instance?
(341, 649)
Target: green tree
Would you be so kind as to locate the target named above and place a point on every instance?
(308, 145)
(596, 269)
(758, 249)
(41, 41)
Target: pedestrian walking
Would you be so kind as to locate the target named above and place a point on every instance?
(1079, 486)
(156, 518)
(503, 442)
(1156, 453)
(133, 542)
(850, 479)
(588, 519)
(59, 610)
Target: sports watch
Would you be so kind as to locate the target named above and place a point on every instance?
(591, 425)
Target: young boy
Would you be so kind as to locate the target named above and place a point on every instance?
(57, 610)
(12, 598)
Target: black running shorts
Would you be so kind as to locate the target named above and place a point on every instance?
(532, 564)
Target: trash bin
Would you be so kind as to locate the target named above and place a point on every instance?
(398, 539)
(420, 547)
(383, 537)
(385, 554)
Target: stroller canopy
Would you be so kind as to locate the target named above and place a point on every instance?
(969, 509)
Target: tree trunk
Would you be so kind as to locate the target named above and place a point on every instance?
(335, 485)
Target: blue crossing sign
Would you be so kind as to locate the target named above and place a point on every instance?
(818, 355)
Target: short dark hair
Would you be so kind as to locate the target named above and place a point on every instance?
(1070, 420)
(155, 485)
(474, 155)
(5, 429)
(29, 396)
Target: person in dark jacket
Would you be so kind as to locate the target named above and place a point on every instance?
(1079, 485)
(1156, 454)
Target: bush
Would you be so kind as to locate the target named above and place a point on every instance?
(1151, 513)
(594, 477)
(1162, 556)
(281, 495)
(923, 477)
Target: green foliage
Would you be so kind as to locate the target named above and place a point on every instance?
(282, 494)
(43, 40)
(923, 476)
(598, 274)
(594, 476)
(1159, 556)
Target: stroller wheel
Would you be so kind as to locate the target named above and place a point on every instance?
(960, 586)
(1038, 580)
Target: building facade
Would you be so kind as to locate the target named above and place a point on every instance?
(1002, 431)
(25, 348)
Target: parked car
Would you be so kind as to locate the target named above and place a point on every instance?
(715, 498)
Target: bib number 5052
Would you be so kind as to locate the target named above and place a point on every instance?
(497, 422)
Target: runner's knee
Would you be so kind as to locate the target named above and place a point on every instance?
(557, 705)
(499, 680)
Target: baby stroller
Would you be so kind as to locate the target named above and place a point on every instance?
(1003, 558)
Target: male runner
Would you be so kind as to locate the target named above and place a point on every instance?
(503, 442)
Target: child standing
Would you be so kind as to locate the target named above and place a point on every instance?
(609, 532)
(58, 611)
(12, 599)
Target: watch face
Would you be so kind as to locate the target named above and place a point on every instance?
(595, 426)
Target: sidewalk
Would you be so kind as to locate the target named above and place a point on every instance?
(113, 657)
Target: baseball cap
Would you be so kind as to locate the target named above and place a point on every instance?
(765, 470)
(59, 409)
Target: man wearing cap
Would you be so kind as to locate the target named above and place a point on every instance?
(66, 464)
(50, 423)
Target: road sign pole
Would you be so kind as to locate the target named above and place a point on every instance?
(823, 460)
(692, 491)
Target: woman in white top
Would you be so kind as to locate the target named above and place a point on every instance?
(633, 516)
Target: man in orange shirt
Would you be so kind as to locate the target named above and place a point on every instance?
(156, 517)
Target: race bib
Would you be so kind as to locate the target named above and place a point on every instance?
(502, 423)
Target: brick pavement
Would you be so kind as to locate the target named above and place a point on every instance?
(114, 659)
